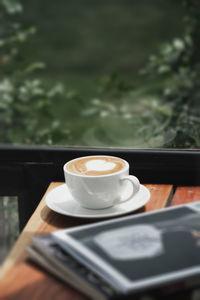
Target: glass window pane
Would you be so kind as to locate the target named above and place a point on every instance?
(9, 224)
(118, 73)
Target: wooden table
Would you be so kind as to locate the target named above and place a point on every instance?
(20, 279)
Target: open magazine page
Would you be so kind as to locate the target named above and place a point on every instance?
(142, 251)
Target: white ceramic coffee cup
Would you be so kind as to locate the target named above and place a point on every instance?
(98, 192)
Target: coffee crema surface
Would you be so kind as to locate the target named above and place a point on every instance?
(95, 166)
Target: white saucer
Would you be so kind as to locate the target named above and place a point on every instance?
(61, 201)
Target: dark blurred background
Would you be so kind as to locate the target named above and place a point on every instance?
(83, 40)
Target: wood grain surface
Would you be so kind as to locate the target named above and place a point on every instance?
(21, 279)
(186, 194)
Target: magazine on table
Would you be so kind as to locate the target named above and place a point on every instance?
(131, 255)
(48, 254)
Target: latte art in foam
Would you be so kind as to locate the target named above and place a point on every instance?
(95, 165)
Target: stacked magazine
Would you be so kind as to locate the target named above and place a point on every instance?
(156, 253)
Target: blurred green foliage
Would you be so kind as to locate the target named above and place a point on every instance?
(25, 114)
(86, 39)
(179, 62)
(158, 110)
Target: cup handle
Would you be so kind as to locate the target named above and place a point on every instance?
(135, 184)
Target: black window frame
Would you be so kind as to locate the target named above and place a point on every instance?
(26, 171)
